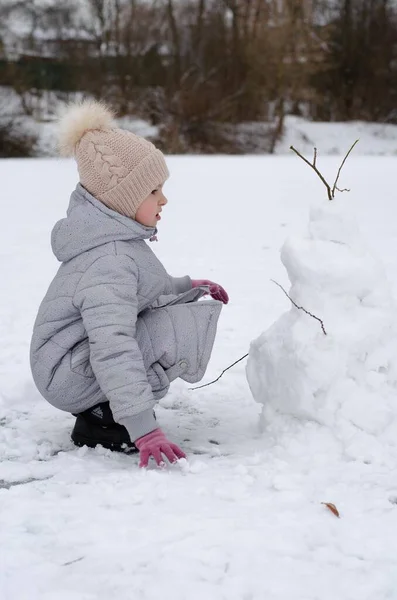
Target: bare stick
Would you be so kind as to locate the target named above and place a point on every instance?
(313, 166)
(301, 307)
(315, 157)
(340, 169)
(218, 378)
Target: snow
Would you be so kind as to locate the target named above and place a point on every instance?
(243, 518)
(336, 138)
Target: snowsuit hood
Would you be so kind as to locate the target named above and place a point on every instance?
(90, 224)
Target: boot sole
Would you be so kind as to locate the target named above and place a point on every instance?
(81, 440)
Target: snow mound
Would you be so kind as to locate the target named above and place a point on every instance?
(340, 369)
(333, 137)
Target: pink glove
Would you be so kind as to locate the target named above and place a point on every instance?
(216, 291)
(155, 443)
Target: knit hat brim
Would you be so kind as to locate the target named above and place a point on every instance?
(133, 189)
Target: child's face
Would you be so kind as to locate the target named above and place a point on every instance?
(149, 211)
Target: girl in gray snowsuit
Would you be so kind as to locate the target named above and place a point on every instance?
(114, 329)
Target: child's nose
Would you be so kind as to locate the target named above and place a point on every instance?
(163, 200)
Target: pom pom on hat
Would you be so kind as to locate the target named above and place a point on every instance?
(79, 118)
(119, 168)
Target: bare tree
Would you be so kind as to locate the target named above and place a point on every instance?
(201, 70)
(360, 78)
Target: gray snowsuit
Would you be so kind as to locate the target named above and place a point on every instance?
(114, 325)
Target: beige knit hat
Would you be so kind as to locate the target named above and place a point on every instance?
(116, 166)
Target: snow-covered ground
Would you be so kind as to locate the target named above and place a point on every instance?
(243, 519)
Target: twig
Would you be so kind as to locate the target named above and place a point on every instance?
(330, 191)
(301, 307)
(245, 355)
(340, 169)
(71, 562)
(313, 166)
(218, 378)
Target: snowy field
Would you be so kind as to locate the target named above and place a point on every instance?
(243, 519)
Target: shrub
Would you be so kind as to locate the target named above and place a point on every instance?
(14, 142)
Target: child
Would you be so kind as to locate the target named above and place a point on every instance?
(114, 329)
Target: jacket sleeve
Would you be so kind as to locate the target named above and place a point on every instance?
(107, 299)
(180, 284)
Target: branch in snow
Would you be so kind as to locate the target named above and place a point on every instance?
(340, 169)
(313, 166)
(218, 378)
(330, 191)
(301, 307)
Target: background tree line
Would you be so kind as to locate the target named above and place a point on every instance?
(202, 70)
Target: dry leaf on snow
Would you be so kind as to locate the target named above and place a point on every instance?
(332, 508)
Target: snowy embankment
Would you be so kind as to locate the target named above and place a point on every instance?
(336, 138)
(330, 138)
(244, 519)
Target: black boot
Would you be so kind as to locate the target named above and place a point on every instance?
(96, 426)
